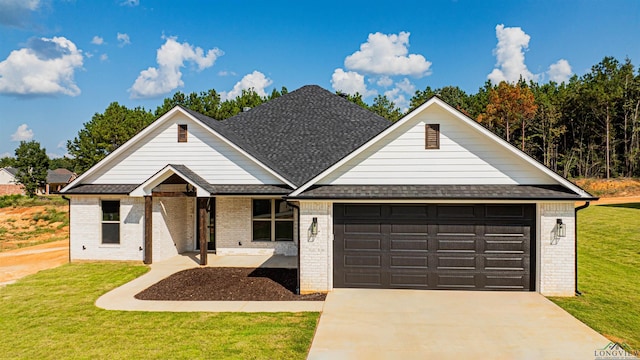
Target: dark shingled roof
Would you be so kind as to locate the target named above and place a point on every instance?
(59, 176)
(11, 170)
(102, 189)
(437, 192)
(304, 132)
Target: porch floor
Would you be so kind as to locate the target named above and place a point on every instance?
(192, 259)
(122, 298)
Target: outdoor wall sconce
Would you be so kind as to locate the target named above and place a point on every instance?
(139, 248)
(314, 226)
(190, 188)
(84, 247)
(561, 228)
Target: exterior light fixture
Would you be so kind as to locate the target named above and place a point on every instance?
(314, 226)
(561, 228)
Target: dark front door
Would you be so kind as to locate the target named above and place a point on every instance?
(434, 246)
(210, 222)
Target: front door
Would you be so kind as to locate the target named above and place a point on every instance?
(210, 222)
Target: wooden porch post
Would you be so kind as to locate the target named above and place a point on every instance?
(202, 229)
(148, 229)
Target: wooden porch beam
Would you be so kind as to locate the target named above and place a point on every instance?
(148, 229)
(202, 229)
(173, 194)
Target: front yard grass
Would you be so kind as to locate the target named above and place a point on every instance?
(609, 272)
(51, 315)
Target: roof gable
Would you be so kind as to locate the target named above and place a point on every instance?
(305, 131)
(468, 154)
(154, 147)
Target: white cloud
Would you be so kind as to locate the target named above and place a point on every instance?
(97, 40)
(387, 55)
(406, 86)
(44, 67)
(384, 81)
(130, 3)
(171, 56)
(23, 133)
(17, 12)
(256, 81)
(350, 82)
(5, 155)
(226, 73)
(560, 71)
(104, 57)
(400, 92)
(123, 39)
(510, 66)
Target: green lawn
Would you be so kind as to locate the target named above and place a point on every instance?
(609, 272)
(51, 315)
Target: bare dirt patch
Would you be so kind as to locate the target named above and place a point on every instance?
(611, 188)
(229, 284)
(19, 263)
(26, 226)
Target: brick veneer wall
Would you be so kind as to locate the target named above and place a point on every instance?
(556, 254)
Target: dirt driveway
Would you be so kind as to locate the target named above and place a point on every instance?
(15, 264)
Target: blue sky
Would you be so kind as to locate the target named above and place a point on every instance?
(61, 61)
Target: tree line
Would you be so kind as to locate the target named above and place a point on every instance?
(586, 127)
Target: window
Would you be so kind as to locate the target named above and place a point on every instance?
(432, 136)
(111, 222)
(182, 132)
(272, 220)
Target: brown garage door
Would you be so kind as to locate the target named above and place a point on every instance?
(434, 246)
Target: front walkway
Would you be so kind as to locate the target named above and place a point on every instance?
(435, 324)
(122, 298)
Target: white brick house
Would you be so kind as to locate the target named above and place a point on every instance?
(433, 201)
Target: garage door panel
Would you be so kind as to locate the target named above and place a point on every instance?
(361, 228)
(434, 246)
(456, 281)
(456, 229)
(457, 262)
(456, 245)
(408, 211)
(504, 282)
(362, 279)
(363, 244)
(415, 244)
(509, 264)
(408, 262)
(411, 281)
(362, 261)
(456, 211)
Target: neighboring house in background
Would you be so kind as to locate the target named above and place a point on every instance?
(8, 183)
(56, 180)
(432, 201)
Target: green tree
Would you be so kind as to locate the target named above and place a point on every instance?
(105, 133)
(32, 163)
(7, 161)
(386, 108)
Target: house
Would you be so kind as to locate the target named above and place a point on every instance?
(8, 183)
(432, 201)
(56, 180)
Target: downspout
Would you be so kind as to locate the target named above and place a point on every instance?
(69, 212)
(299, 243)
(575, 232)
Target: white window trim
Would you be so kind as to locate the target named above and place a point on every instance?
(119, 222)
(272, 219)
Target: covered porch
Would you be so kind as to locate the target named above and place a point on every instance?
(184, 214)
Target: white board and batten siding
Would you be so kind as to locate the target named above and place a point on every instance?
(465, 157)
(204, 153)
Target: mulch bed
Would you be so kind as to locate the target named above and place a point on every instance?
(229, 284)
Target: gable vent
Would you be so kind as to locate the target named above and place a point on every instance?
(182, 132)
(432, 136)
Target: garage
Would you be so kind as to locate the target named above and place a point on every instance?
(434, 246)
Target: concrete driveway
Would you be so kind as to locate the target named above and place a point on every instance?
(411, 324)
